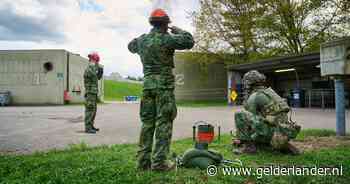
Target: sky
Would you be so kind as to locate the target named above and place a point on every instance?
(83, 26)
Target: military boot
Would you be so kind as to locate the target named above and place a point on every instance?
(248, 148)
(293, 149)
(238, 142)
(166, 166)
(90, 131)
(144, 165)
(144, 168)
(96, 129)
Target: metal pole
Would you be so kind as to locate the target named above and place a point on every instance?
(194, 133)
(322, 99)
(229, 87)
(219, 132)
(310, 93)
(297, 78)
(340, 106)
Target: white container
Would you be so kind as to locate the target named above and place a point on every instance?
(335, 57)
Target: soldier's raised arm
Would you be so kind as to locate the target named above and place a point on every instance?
(181, 39)
(132, 46)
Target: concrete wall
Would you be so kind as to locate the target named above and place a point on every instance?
(23, 73)
(200, 82)
(76, 69)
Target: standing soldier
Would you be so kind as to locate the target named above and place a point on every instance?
(92, 74)
(158, 109)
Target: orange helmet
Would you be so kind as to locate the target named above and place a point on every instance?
(94, 56)
(159, 15)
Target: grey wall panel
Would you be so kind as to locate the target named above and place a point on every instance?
(24, 75)
(77, 66)
(195, 81)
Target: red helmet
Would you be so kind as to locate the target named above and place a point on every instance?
(94, 56)
(159, 15)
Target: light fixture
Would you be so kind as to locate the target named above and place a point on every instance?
(285, 70)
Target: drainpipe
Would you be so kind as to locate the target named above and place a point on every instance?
(67, 87)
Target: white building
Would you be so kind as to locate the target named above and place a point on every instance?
(43, 76)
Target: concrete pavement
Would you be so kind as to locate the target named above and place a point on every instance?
(28, 129)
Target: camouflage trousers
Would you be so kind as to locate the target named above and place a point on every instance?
(90, 109)
(157, 112)
(254, 128)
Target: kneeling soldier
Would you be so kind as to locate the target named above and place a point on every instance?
(264, 119)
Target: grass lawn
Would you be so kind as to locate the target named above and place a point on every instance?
(116, 164)
(115, 91)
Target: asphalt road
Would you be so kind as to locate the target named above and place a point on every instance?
(29, 129)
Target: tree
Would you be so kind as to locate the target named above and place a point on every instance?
(224, 25)
(255, 29)
(298, 26)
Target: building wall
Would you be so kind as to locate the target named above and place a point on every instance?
(77, 66)
(23, 73)
(199, 82)
(287, 81)
(314, 95)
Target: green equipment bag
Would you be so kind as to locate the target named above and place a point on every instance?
(197, 158)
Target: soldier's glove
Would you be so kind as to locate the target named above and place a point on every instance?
(175, 30)
(99, 73)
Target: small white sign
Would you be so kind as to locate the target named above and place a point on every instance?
(180, 79)
(36, 79)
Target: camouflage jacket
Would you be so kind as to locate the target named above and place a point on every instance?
(91, 79)
(267, 103)
(156, 51)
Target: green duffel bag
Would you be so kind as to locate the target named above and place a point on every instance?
(196, 158)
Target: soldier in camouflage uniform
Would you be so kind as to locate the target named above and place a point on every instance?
(264, 119)
(158, 109)
(92, 74)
